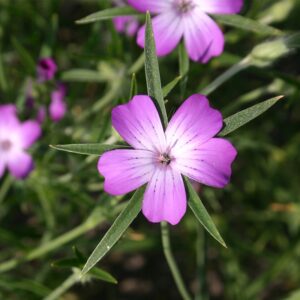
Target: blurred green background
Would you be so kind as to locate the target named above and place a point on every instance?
(62, 203)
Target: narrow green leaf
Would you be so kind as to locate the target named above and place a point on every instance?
(241, 118)
(83, 75)
(67, 263)
(97, 273)
(78, 254)
(107, 14)
(170, 86)
(201, 213)
(241, 22)
(117, 229)
(152, 71)
(103, 275)
(87, 149)
(133, 87)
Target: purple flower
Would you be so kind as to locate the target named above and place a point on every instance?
(57, 108)
(126, 24)
(41, 114)
(46, 69)
(159, 158)
(15, 139)
(188, 19)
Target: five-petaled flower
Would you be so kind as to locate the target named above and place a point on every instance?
(188, 19)
(160, 158)
(15, 139)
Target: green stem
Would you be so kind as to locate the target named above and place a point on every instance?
(69, 282)
(243, 64)
(201, 264)
(5, 187)
(165, 236)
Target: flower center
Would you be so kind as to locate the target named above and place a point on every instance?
(184, 6)
(5, 145)
(165, 159)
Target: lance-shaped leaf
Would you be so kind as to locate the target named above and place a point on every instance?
(243, 117)
(87, 149)
(201, 213)
(117, 229)
(241, 22)
(152, 71)
(83, 75)
(170, 86)
(107, 14)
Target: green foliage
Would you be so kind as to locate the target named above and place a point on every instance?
(63, 202)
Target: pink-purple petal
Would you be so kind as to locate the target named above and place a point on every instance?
(221, 6)
(125, 170)
(2, 166)
(30, 132)
(8, 116)
(139, 124)
(167, 29)
(209, 164)
(202, 37)
(193, 124)
(126, 24)
(20, 165)
(165, 197)
(154, 6)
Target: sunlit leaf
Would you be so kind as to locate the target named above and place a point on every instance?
(243, 117)
(87, 149)
(117, 229)
(244, 23)
(83, 75)
(201, 213)
(107, 14)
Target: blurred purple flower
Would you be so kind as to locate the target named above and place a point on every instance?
(57, 108)
(188, 19)
(126, 24)
(15, 139)
(46, 69)
(41, 114)
(187, 147)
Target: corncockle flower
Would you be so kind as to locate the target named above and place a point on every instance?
(188, 19)
(57, 108)
(187, 147)
(126, 24)
(15, 139)
(46, 69)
